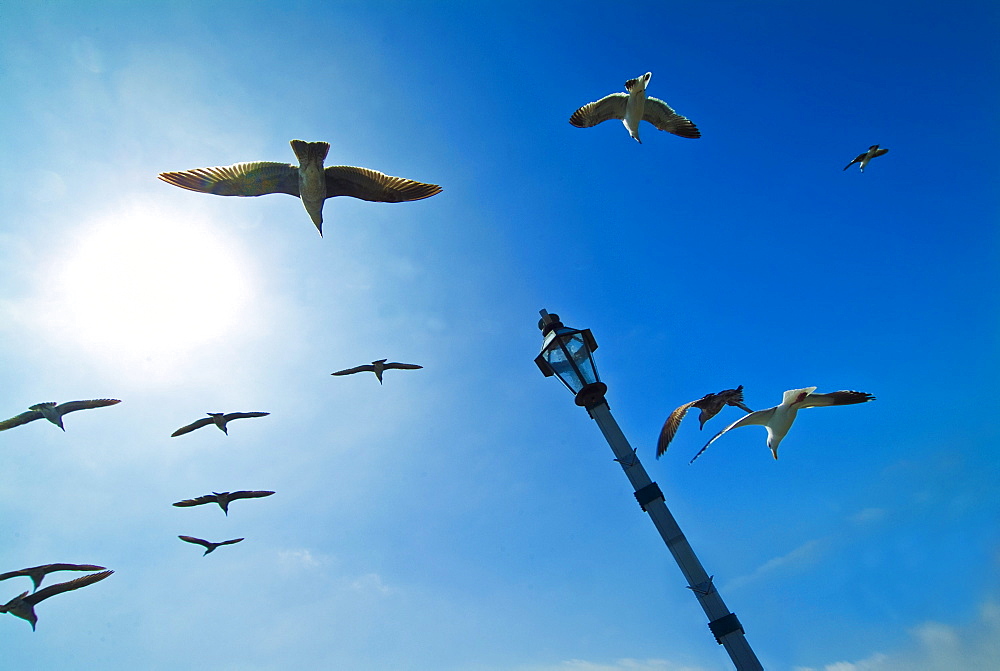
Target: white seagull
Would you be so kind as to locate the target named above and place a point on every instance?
(309, 181)
(863, 159)
(54, 413)
(377, 367)
(779, 419)
(633, 107)
(217, 418)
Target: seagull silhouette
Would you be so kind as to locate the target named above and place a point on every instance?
(310, 181)
(23, 605)
(222, 498)
(633, 107)
(779, 419)
(209, 545)
(710, 405)
(377, 367)
(217, 418)
(54, 413)
(863, 159)
(38, 573)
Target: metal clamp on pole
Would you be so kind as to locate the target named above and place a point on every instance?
(648, 494)
(726, 624)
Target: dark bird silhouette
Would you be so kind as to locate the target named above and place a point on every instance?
(38, 573)
(377, 367)
(779, 419)
(309, 181)
(864, 158)
(23, 605)
(710, 405)
(217, 418)
(54, 413)
(209, 545)
(222, 498)
(633, 107)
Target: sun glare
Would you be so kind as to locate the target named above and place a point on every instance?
(142, 283)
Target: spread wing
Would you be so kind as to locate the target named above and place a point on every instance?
(230, 542)
(836, 398)
(244, 415)
(247, 495)
(608, 107)
(372, 185)
(242, 179)
(661, 115)
(73, 406)
(356, 369)
(879, 152)
(23, 418)
(59, 588)
(196, 541)
(187, 503)
(857, 159)
(204, 421)
(761, 417)
(670, 428)
(401, 366)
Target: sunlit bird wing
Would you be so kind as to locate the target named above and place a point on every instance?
(200, 500)
(357, 369)
(835, 398)
(59, 588)
(73, 406)
(23, 418)
(204, 421)
(244, 415)
(248, 495)
(599, 111)
(857, 159)
(670, 428)
(761, 417)
(374, 186)
(242, 179)
(661, 115)
(402, 366)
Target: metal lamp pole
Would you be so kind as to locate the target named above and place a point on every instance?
(568, 354)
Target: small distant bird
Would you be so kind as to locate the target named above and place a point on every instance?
(863, 159)
(222, 498)
(377, 367)
(632, 108)
(54, 413)
(779, 418)
(23, 606)
(38, 573)
(217, 418)
(208, 544)
(310, 181)
(710, 405)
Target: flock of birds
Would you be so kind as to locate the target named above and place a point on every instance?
(313, 183)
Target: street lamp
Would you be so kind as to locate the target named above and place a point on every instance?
(569, 354)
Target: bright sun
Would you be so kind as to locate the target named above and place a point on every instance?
(143, 283)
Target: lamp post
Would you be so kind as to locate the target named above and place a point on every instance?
(569, 354)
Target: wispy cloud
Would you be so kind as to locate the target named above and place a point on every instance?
(626, 664)
(803, 555)
(370, 583)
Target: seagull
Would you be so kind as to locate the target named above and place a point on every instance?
(779, 418)
(23, 606)
(54, 413)
(222, 498)
(863, 159)
(377, 367)
(710, 405)
(310, 181)
(632, 108)
(209, 545)
(217, 418)
(38, 573)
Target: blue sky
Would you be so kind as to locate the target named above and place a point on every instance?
(468, 516)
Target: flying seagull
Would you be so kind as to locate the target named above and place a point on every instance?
(633, 107)
(38, 573)
(54, 413)
(23, 606)
(217, 418)
(222, 498)
(779, 418)
(309, 181)
(863, 159)
(710, 406)
(209, 545)
(377, 367)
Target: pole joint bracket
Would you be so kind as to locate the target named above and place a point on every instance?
(725, 625)
(648, 494)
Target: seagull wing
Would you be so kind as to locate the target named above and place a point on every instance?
(401, 366)
(244, 415)
(23, 418)
(59, 588)
(670, 428)
(857, 159)
(49, 568)
(196, 541)
(879, 152)
(356, 369)
(374, 186)
(608, 107)
(242, 179)
(204, 421)
(248, 495)
(230, 542)
(661, 115)
(73, 406)
(835, 398)
(761, 417)
(14, 574)
(201, 500)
